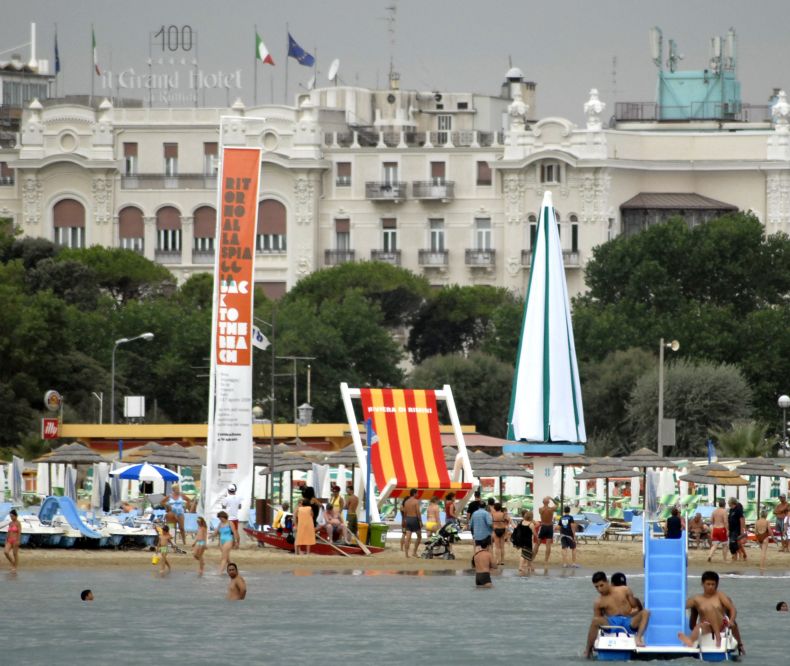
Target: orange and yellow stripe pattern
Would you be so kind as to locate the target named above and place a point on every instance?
(409, 447)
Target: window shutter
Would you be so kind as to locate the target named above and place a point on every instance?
(272, 217)
(68, 213)
(210, 148)
(167, 219)
(344, 169)
(389, 223)
(205, 222)
(130, 150)
(483, 173)
(437, 169)
(342, 226)
(130, 223)
(171, 150)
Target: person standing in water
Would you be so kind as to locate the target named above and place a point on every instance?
(484, 564)
(13, 540)
(237, 590)
(164, 547)
(523, 538)
(199, 547)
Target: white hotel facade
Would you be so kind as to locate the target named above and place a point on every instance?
(446, 185)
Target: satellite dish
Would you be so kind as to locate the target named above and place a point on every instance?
(332, 74)
(311, 83)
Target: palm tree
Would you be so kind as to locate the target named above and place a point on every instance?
(746, 439)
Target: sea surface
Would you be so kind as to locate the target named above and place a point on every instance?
(332, 617)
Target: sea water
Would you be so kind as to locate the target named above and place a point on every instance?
(332, 617)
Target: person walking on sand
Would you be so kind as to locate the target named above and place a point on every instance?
(412, 522)
(352, 506)
(199, 546)
(781, 511)
(617, 607)
(523, 539)
(711, 611)
(500, 523)
(232, 506)
(718, 536)
(305, 528)
(237, 590)
(482, 526)
(225, 533)
(13, 540)
(546, 529)
(736, 526)
(164, 548)
(568, 538)
(762, 530)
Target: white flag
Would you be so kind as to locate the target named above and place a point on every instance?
(259, 340)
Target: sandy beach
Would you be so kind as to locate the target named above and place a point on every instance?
(608, 556)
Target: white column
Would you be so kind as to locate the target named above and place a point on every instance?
(542, 479)
(187, 239)
(149, 238)
(636, 489)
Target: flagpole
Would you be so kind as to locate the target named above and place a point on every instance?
(255, 65)
(288, 36)
(368, 428)
(93, 63)
(57, 58)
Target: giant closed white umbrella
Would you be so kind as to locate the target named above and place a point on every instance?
(546, 401)
(17, 485)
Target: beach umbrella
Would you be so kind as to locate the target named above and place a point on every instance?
(606, 472)
(70, 485)
(546, 401)
(99, 476)
(145, 472)
(575, 461)
(644, 458)
(346, 457)
(485, 465)
(17, 485)
(69, 454)
(174, 454)
(2, 482)
(761, 467)
(115, 486)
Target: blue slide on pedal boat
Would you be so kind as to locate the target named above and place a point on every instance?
(665, 562)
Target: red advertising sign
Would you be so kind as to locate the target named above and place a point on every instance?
(50, 429)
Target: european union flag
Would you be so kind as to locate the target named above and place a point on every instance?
(298, 53)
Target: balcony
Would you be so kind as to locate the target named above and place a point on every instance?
(159, 181)
(394, 191)
(570, 258)
(337, 257)
(167, 256)
(386, 256)
(481, 258)
(428, 190)
(202, 256)
(433, 259)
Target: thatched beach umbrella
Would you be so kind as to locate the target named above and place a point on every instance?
(283, 462)
(563, 462)
(175, 454)
(346, 457)
(69, 454)
(498, 466)
(606, 472)
(761, 467)
(644, 458)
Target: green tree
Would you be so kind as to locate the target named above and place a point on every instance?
(744, 439)
(701, 397)
(72, 281)
(481, 387)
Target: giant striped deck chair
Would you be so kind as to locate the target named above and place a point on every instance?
(409, 452)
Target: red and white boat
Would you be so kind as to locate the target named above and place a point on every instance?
(271, 538)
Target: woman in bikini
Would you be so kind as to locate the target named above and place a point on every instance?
(12, 540)
(199, 547)
(433, 519)
(763, 532)
(500, 522)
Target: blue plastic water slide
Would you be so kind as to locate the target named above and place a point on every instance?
(68, 510)
(665, 590)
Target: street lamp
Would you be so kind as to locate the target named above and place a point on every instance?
(784, 403)
(305, 410)
(674, 346)
(143, 336)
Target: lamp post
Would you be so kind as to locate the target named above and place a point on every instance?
(270, 486)
(674, 346)
(143, 336)
(784, 403)
(297, 410)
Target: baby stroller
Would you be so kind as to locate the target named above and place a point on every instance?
(439, 544)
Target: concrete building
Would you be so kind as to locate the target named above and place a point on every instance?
(447, 185)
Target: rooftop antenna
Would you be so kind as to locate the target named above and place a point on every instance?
(657, 46)
(392, 20)
(730, 49)
(311, 82)
(715, 54)
(333, 69)
(33, 64)
(674, 57)
(614, 78)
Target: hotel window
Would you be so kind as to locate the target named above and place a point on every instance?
(204, 229)
(69, 222)
(437, 235)
(272, 225)
(343, 178)
(168, 230)
(130, 159)
(171, 159)
(483, 173)
(482, 233)
(550, 173)
(343, 234)
(131, 230)
(574, 220)
(444, 123)
(390, 171)
(210, 161)
(437, 173)
(389, 237)
(533, 230)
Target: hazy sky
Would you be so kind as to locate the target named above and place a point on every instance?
(565, 46)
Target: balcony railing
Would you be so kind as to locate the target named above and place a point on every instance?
(167, 256)
(7, 180)
(337, 257)
(202, 256)
(158, 181)
(372, 137)
(377, 191)
(651, 111)
(428, 258)
(570, 258)
(386, 256)
(430, 190)
(481, 258)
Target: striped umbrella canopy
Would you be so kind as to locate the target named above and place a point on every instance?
(145, 472)
(761, 467)
(546, 400)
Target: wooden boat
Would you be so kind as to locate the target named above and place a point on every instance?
(271, 538)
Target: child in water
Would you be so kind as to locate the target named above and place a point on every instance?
(199, 546)
(164, 546)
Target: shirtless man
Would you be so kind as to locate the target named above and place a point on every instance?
(352, 504)
(237, 590)
(412, 521)
(711, 611)
(546, 531)
(781, 510)
(615, 607)
(484, 565)
(719, 535)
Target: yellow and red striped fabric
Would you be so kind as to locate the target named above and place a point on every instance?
(409, 447)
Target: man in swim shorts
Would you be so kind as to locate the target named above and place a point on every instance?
(615, 607)
(568, 538)
(412, 522)
(719, 535)
(711, 611)
(484, 565)
(546, 531)
(352, 504)
(781, 510)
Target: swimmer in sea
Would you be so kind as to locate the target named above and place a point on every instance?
(199, 546)
(711, 611)
(237, 590)
(617, 607)
(86, 595)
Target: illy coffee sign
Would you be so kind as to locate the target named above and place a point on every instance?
(50, 429)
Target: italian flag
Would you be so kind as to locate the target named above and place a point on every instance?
(95, 55)
(261, 52)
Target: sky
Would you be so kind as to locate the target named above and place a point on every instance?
(565, 46)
